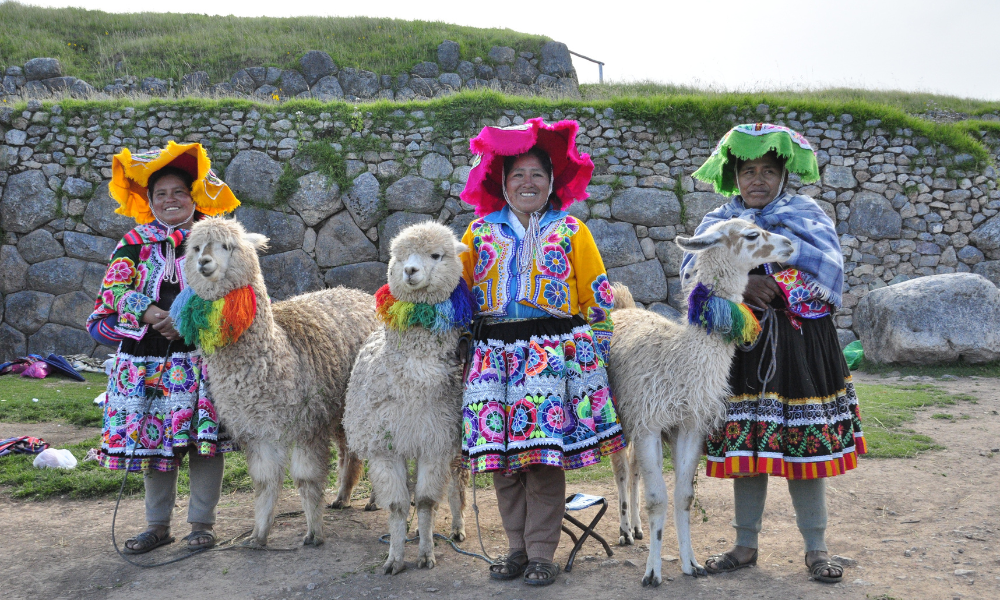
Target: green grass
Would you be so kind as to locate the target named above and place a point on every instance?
(886, 409)
(910, 102)
(959, 369)
(90, 43)
(59, 399)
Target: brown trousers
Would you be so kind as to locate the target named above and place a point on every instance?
(532, 505)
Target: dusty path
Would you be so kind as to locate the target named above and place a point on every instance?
(911, 524)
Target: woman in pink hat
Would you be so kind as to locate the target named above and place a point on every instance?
(536, 399)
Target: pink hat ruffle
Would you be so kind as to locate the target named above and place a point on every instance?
(571, 170)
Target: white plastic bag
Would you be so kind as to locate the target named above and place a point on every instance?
(50, 458)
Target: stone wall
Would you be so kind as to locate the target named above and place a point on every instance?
(549, 72)
(904, 206)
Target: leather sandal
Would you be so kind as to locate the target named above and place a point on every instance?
(816, 570)
(146, 541)
(514, 564)
(547, 570)
(727, 562)
(204, 533)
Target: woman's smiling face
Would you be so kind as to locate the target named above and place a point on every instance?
(171, 200)
(527, 184)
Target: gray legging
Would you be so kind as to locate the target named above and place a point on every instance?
(206, 488)
(808, 498)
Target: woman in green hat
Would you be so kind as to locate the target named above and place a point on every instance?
(793, 412)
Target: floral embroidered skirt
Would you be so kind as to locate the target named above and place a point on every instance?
(159, 418)
(537, 393)
(807, 425)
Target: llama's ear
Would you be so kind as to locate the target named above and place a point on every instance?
(460, 248)
(257, 240)
(698, 243)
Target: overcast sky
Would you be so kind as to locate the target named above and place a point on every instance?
(943, 46)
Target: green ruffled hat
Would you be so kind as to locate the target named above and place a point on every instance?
(753, 140)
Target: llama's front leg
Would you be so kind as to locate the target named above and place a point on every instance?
(266, 465)
(456, 499)
(650, 450)
(686, 452)
(348, 471)
(388, 476)
(310, 468)
(635, 516)
(432, 476)
(620, 468)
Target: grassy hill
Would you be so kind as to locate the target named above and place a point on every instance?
(90, 43)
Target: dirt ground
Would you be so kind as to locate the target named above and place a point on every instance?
(918, 528)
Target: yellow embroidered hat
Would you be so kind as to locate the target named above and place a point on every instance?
(130, 175)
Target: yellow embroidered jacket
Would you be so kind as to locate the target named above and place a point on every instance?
(567, 276)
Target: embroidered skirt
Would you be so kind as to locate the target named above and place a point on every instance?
(537, 393)
(159, 418)
(807, 425)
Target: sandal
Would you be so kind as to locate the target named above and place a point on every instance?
(816, 570)
(726, 562)
(513, 563)
(548, 571)
(204, 533)
(146, 541)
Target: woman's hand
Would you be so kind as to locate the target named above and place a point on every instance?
(761, 289)
(166, 328)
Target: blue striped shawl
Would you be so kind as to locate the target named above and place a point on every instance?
(817, 248)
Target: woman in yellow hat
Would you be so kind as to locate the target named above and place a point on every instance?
(158, 407)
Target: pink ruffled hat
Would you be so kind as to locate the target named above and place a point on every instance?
(571, 170)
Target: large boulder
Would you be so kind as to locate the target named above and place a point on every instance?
(360, 83)
(290, 274)
(391, 227)
(448, 55)
(292, 83)
(327, 89)
(285, 232)
(366, 276)
(363, 200)
(931, 320)
(989, 269)
(316, 199)
(253, 176)
(502, 55)
(414, 194)
(435, 166)
(873, 216)
(839, 177)
(13, 270)
(27, 202)
(60, 339)
(986, 237)
(27, 311)
(56, 276)
(13, 344)
(100, 215)
(556, 60)
(341, 242)
(699, 204)
(42, 68)
(645, 280)
(39, 245)
(646, 206)
(72, 309)
(617, 242)
(88, 247)
(315, 65)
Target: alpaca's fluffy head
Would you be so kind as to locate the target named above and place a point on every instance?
(740, 245)
(221, 256)
(424, 264)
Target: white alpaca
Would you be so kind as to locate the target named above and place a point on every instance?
(280, 387)
(670, 383)
(404, 399)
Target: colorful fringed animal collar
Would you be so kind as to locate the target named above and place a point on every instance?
(453, 313)
(735, 322)
(211, 325)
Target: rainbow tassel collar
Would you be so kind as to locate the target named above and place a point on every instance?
(212, 325)
(735, 322)
(453, 313)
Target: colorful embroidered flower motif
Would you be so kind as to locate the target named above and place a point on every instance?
(150, 432)
(793, 436)
(487, 257)
(522, 420)
(180, 377)
(515, 366)
(733, 430)
(182, 420)
(603, 293)
(555, 294)
(480, 297)
(145, 252)
(537, 359)
(787, 277)
(554, 262)
(491, 423)
(799, 294)
(122, 271)
(553, 419)
(135, 303)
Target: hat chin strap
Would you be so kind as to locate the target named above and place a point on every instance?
(532, 233)
(170, 254)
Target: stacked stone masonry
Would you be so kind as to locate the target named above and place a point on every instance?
(548, 73)
(897, 220)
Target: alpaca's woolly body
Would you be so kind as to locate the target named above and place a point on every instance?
(404, 399)
(280, 388)
(670, 382)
